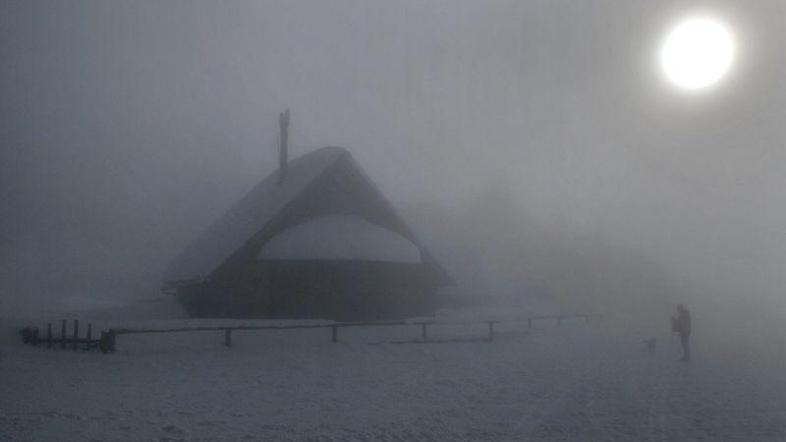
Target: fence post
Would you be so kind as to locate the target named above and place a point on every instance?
(107, 342)
(63, 334)
(49, 335)
(102, 343)
(228, 337)
(89, 335)
(76, 334)
(335, 333)
(423, 332)
(491, 330)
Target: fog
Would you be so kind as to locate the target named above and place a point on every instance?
(540, 132)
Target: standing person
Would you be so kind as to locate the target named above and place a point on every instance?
(681, 324)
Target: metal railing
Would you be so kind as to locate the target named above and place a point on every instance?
(107, 342)
(109, 338)
(560, 318)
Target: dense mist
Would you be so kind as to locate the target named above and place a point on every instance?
(538, 132)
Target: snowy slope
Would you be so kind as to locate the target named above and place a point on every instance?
(565, 383)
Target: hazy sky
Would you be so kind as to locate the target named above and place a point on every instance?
(127, 126)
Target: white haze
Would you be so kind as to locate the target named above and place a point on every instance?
(540, 131)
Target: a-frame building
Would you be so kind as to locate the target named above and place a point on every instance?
(315, 239)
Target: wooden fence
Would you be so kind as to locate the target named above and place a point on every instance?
(32, 336)
(560, 318)
(107, 342)
(110, 337)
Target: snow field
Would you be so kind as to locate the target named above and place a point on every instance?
(551, 383)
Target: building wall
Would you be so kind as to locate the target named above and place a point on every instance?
(338, 290)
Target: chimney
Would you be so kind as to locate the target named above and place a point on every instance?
(283, 154)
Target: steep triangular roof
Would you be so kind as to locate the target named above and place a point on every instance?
(324, 182)
(249, 215)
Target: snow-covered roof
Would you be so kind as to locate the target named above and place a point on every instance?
(250, 214)
(340, 237)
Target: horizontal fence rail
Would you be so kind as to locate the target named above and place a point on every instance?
(107, 342)
(560, 318)
(111, 336)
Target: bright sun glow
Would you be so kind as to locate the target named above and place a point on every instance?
(697, 53)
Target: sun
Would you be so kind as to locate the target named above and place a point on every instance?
(697, 53)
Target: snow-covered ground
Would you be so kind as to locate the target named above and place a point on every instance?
(551, 383)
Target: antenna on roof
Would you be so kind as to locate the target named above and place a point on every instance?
(283, 154)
